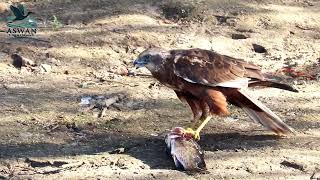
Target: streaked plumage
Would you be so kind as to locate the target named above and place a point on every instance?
(207, 80)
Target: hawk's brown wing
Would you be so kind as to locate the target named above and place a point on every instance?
(212, 69)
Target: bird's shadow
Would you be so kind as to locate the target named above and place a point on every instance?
(148, 149)
(152, 150)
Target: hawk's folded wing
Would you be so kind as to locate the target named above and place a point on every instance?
(212, 69)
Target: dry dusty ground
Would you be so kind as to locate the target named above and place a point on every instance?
(46, 134)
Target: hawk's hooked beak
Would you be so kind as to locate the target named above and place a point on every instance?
(138, 63)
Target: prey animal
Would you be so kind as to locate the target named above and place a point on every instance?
(184, 150)
(207, 81)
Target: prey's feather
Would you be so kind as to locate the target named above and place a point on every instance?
(185, 152)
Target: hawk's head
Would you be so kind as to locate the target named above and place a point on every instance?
(151, 58)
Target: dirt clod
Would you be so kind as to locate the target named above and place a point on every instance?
(238, 36)
(258, 48)
(293, 165)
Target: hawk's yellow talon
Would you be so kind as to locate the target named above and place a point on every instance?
(196, 134)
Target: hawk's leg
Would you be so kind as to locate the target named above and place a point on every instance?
(196, 133)
(198, 124)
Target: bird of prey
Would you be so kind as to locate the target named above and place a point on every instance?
(19, 12)
(207, 81)
(184, 150)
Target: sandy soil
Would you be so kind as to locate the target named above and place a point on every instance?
(46, 134)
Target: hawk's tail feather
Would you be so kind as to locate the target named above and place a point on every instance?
(273, 84)
(260, 113)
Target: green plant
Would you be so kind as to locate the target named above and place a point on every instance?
(56, 24)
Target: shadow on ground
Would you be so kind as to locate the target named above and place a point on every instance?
(89, 141)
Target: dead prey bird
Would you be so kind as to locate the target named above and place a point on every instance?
(184, 150)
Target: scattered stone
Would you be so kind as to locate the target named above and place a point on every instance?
(118, 151)
(106, 76)
(232, 119)
(258, 48)
(177, 11)
(85, 100)
(34, 163)
(293, 165)
(244, 30)
(87, 84)
(154, 134)
(226, 20)
(121, 163)
(238, 36)
(250, 170)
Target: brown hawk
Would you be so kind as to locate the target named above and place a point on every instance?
(207, 80)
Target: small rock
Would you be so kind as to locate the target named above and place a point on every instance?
(121, 163)
(258, 48)
(250, 170)
(87, 84)
(232, 119)
(154, 134)
(86, 100)
(293, 165)
(238, 36)
(118, 151)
